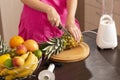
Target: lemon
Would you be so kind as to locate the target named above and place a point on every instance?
(4, 57)
(38, 53)
(8, 64)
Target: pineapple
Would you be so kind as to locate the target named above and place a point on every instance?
(54, 47)
(3, 47)
(70, 42)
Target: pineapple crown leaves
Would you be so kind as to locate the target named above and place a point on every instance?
(3, 46)
(54, 47)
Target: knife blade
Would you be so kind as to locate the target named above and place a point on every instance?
(63, 29)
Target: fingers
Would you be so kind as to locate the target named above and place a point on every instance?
(57, 22)
(77, 34)
(54, 21)
(75, 31)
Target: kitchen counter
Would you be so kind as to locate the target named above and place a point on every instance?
(99, 65)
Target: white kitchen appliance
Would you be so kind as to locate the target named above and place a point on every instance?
(106, 35)
(47, 74)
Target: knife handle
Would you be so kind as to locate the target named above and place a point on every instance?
(60, 26)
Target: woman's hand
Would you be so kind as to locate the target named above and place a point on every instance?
(53, 16)
(73, 29)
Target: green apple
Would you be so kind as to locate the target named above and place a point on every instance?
(38, 53)
(8, 64)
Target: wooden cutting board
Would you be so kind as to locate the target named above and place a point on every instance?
(73, 55)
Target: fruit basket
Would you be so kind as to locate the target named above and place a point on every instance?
(23, 72)
(20, 59)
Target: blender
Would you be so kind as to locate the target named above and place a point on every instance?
(107, 35)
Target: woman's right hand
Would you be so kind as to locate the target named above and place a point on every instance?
(53, 16)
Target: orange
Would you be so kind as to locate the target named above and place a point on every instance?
(31, 45)
(15, 41)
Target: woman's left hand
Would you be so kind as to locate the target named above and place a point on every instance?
(74, 30)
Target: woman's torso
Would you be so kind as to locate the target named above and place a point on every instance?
(34, 24)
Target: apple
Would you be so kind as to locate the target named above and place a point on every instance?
(21, 49)
(18, 61)
(38, 53)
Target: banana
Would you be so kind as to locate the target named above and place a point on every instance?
(24, 73)
(24, 56)
(9, 77)
(1, 66)
(28, 71)
(2, 71)
(29, 61)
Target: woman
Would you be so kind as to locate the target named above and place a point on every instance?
(40, 18)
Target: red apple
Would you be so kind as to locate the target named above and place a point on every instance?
(21, 49)
(17, 61)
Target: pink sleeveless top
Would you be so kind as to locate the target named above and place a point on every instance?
(34, 24)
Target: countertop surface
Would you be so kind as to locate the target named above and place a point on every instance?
(99, 65)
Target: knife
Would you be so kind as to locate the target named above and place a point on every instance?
(63, 29)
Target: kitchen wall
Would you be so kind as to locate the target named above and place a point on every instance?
(10, 13)
(1, 32)
(80, 14)
(93, 12)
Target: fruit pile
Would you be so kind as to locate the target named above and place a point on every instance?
(21, 60)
